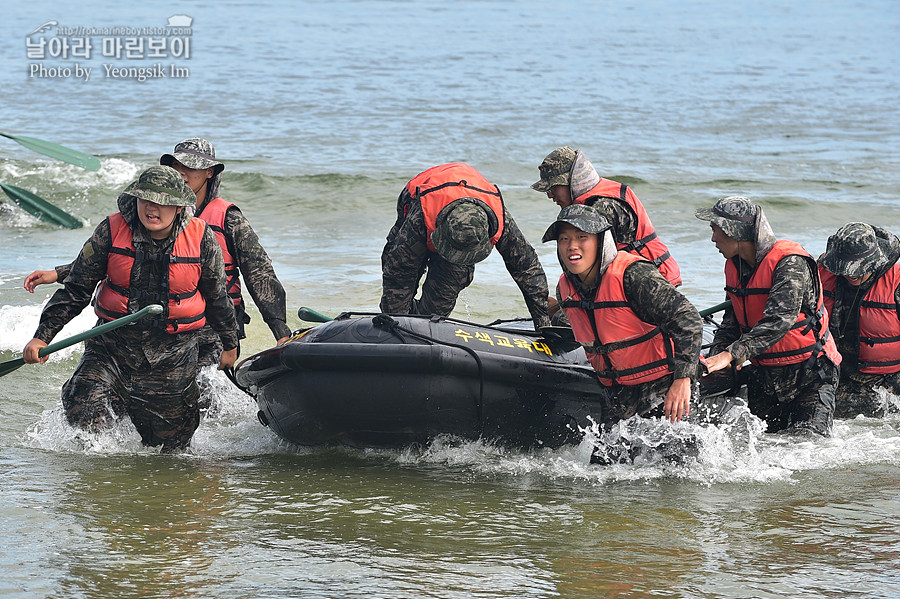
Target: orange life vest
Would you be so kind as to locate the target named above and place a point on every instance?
(646, 242)
(879, 325)
(213, 212)
(184, 310)
(440, 185)
(809, 335)
(621, 347)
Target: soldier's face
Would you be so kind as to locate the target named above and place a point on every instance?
(857, 281)
(195, 178)
(727, 246)
(561, 194)
(158, 220)
(577, 250)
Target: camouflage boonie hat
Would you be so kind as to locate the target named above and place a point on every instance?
(462, 233)
(855, 250)
(194, 153)
(162, 185)
(735, 215)
(582, 217)
(555, 169)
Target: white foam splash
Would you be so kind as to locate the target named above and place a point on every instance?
(53, 433)
(18, 323)
(114, 172)
(230, 429)
(737, 451)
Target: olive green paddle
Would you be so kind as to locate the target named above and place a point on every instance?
(40, 207)
(712, 310)
(310, 315)
(85, 161)
(10, 365)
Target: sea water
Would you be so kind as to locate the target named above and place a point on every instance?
(321, 112)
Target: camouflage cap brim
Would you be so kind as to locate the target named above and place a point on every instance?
(740, 227)
(855, 251)
(555, 169)
(582, 217)
(162, 185)
(195, 153)
(194, 161)
(544, 185)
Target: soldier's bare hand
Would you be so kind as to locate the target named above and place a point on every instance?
(719, 361)
(678, 400)
(39, 277)
(229, 357)
(30, 353)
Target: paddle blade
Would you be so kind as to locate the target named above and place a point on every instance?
(85, 161)
(310, 315)
(10, 365)
(40, 207)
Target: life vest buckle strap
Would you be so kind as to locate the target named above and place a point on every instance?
(638, 244)
(657, 262)
(606, 348)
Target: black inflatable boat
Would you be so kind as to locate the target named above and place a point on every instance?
(373, 380)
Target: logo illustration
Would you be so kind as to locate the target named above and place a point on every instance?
(179, 21)
(44, 27)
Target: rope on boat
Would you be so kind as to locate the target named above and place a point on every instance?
(385, 322)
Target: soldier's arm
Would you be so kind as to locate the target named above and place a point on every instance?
(87, 270)
(790, 281)
(402, 263)
(523, 265)
(620, 216)
(62, 271)
(257, 271)
(219, 308)
(656, 301)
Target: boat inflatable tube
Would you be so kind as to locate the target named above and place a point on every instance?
(392, 381)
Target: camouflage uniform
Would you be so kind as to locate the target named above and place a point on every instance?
(654, 300)
(259, 276)
(251, 258)
(140, 369)
(406, 257)
(560, 167)
(857, 391)
(796, 396)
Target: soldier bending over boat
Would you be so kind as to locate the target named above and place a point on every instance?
(449, 218)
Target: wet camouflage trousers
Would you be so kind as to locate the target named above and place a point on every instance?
(443, 283)
(794, 397)
(857, 394)
(160, 399)
(621, 402)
